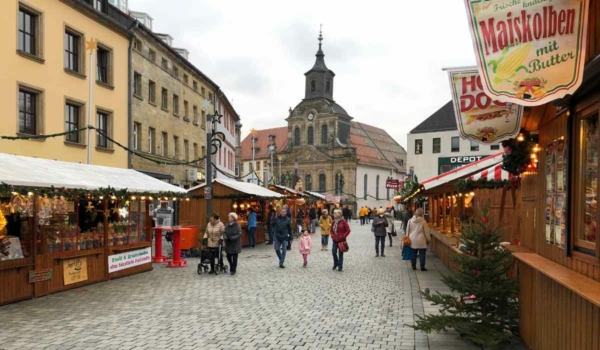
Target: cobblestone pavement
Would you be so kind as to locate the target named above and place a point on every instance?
(263, 307)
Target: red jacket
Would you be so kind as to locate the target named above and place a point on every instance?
(343, 231)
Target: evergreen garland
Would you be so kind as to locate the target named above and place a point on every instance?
(72, 193)
(517, 154)
(468, 185)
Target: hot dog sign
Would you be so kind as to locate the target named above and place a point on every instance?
(479, 117)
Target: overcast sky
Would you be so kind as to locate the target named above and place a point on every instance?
(387, 55)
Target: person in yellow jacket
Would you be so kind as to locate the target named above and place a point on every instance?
(325, 224)
(363, 213)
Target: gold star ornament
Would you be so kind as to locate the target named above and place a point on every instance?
(91, 44)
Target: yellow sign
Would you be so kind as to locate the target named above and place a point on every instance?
(75, 270)
(529, 52)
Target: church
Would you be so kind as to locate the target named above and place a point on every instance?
(324, 148)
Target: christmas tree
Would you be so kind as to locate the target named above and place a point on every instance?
(482, 307)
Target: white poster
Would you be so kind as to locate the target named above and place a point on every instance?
(127, 260)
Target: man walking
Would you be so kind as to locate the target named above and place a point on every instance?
(282, 230)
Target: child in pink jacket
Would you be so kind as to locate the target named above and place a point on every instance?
(305, 246)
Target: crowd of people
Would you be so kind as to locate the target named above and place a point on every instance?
(414, 228)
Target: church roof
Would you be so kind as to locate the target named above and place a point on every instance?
(262, 142)
(442, 120)
(375, 147)
(338, 109)
(319, 65)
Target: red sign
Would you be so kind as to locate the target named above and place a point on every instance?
(392, 184)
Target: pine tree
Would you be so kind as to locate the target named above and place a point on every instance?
(483, 307)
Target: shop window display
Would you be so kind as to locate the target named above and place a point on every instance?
(590, 175)
(126, 222)
(16, 219)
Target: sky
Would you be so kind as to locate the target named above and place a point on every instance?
(387, 55)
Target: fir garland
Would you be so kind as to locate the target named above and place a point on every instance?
(468, 185)
(72, 193)
(517, 154)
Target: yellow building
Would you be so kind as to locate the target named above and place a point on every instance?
(45, 76)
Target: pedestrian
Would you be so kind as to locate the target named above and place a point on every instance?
(299, 220)
(282, 231)
(390, 227)
(319, 213)
(340, 230)
(305, 246)
(214, 236)
(379, 228)
(312, 214)
(407, 215)
(233, 241)
(325, 224)
(369, 215)
(418, 232)
(251, 227)
(270, 220)
(345, 213)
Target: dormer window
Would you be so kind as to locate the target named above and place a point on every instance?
(328, 86)
(313, 86)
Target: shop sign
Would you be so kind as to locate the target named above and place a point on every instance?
(446, 164)
(40, 275)
(392, 184)
(75, 270)
(479, 117)
(529, 52)
(128, 260)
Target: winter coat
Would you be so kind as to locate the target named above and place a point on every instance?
(380, 223)
(325, 224)
(390, 220)
(252, 220)
(282, 228)
(233, 238)
(305, 245)
(343, 231)
(299, 217)
(271, 218)
(312, 214)
(214, 233)
(418, 232)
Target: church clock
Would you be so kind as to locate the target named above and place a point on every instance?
(311, 117)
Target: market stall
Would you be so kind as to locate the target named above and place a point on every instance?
(69, 225)
(295, 199)
(231, 196)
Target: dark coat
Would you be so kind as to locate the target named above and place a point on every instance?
(380, 223)
(233, 238)
(312, 214)
(282, 228)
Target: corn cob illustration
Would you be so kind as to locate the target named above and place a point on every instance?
(509, 65)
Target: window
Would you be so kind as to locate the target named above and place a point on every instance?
(137, 44)
(151, 91)
(103, 57)
(137, 129)
(377, 187)
(324, 135)
(455, 144)
(495, 147)
(176, 147)
(365, 186)
(474, 146)
(102, 129)
(185, 78)
(151, 140)
(72, 49)
(297, 136)
(419, 146)
(308, 182)
(195, 85)
(313, 86)
(210, 96)
(186, 109)
(203, 120)
(27, 31)
(322, 183)
(258, 165)
(99, 5)
(327, 86)
(28, 109)
(339, 183)
(152, 55)
(176, 71)
(164, 63)
(164, 144)
(72, 122)
(437, 145)
(310, 135)
(164, 99)
(202, 92)
(196, 151)
(195, 109)
(137, 84)
(186, 150)
(203, 151)
(175, 104)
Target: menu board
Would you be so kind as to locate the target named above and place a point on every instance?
(556, 193)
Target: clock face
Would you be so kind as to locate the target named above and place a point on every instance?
(311, 117)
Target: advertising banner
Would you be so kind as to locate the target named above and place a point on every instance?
(75, 270)
(479, 118)
(128, 260)
(529, 52)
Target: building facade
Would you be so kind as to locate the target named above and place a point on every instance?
(435, 147)
(46, 87)
(225, 159)
(169, 109)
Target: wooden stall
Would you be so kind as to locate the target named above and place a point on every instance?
(67, 225)
(231, 196)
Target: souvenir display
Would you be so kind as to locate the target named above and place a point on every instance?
(556, 193)
(10, 248)
(22, 205)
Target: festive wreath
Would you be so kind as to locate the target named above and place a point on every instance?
(517, 154)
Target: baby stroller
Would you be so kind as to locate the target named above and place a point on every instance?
(209, 254)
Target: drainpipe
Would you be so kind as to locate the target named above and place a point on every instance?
(130, 95)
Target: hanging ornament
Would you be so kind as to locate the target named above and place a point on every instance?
(89, 208)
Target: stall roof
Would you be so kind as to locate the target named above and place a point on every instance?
(462, 172)
(493, 173)
(38, 172)
(291, 190)
(315, 194)
(244, 187)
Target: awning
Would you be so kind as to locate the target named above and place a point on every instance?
(244, 187)
(160, 176)
(316, 195)
(493, 173)
(462, 172)
(38, 172)
(290, 190)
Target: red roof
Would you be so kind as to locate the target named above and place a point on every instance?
(375, 147)
(262, 142)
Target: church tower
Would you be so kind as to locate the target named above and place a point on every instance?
(319, 80)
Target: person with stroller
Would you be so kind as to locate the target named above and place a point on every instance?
(214, 236)
(282, 230)
(233, 241)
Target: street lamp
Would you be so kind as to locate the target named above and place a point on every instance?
(272, 167)
(211, 142)
(280, 159)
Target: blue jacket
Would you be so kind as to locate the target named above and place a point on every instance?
(282, 228)
(252, 220)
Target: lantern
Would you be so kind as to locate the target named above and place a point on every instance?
(300, 201)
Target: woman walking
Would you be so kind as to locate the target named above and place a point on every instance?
(214, 235)
(390, 227)
(418, 232)
(379, 228)
(325, 224)
(305, 246)
(233, 240)
(340, 230)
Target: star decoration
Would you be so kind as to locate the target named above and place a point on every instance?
(217, 118)
(91, 44)
(206, 104)
(253, 132)
(89, 208)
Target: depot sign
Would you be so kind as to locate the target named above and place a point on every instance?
(529, 52)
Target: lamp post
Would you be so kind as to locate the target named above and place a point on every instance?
(253, 134)
(272, 167)
(211, 120)
(280, 159)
